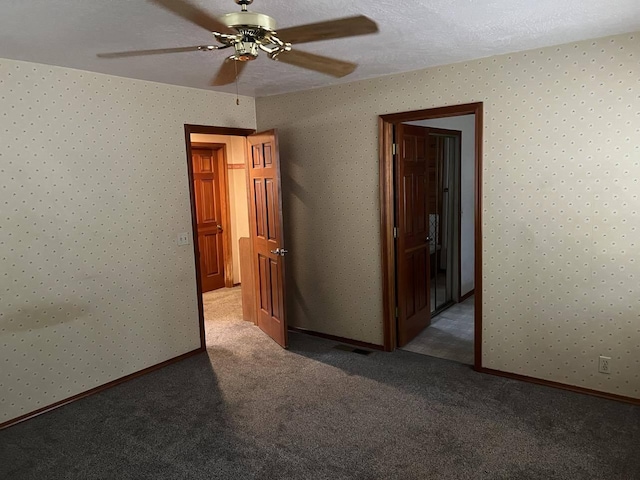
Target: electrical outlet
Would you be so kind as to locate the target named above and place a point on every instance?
(604, 364)
(183, 238)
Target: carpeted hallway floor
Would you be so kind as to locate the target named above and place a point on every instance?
(248, 409)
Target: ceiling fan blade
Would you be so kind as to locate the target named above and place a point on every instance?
(195, 15)
(342, 27)
(328, 65)
(228, 72)
(135, 53)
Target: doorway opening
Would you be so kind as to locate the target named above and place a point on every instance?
(236, 209)
(430, 171)
(216, 157)
(213, 210)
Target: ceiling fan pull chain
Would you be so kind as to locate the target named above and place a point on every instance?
(235, 64)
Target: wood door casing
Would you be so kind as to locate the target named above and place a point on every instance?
(206, 184)
(412, 175)
(190, 129)
(265, 204)
(387, 137)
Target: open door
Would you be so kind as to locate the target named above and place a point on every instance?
(267, 240)
(413, 176)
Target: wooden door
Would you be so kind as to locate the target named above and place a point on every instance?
(206, 183)
(412, 192)
(267, 239)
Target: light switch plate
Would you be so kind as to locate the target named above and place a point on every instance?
(183, 238)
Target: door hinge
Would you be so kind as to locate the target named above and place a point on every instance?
(395, 232)
(394, 149)
(396, 312)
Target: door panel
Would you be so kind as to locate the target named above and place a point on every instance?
(276, 306)
(412, 246)
(267, 234)
(209, 218)
(206, 161)
(208, 212)
(408, 203)
(421, 274)
(210, 248)
(272, 206)
(420, 216)
(256, 156)
(265, 288)
(268, 159)
(259, 198)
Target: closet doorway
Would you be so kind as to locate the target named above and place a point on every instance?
(431, 250)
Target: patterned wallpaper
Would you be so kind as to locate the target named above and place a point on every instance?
(93, 193)
(561, 204)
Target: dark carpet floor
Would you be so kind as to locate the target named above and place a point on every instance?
(250, 410)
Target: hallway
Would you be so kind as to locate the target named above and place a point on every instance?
(450, 335)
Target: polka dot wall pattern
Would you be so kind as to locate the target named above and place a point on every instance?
(93, 192)
(561, 205)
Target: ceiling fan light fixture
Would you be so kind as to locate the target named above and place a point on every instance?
(245, 51)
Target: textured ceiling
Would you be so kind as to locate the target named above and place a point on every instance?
(413, 35)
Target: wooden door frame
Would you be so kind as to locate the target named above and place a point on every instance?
(209, 130)
(386, 124)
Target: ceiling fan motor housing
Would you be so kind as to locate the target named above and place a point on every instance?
(249, 19)
(253, 27)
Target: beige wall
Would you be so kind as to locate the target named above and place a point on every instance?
(237, 184)
(561, 207)
(93, 193)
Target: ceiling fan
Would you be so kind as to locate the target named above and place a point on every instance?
(249, 32)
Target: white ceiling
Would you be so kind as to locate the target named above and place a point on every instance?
(414, 34)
